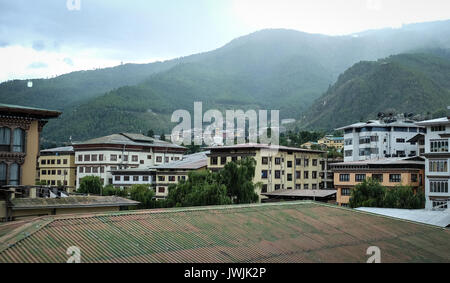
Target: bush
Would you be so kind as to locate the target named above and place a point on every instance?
(143, 194)
(90, 185)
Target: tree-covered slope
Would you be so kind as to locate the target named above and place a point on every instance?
(406, 83)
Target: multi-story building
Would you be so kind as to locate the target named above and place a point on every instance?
(20, 129)
(332, 141)
(378, 139)
(100, 156)
(436, 167)
(277, 168)
(57, 167)
(390, 172)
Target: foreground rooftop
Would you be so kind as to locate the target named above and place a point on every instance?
(280, 232)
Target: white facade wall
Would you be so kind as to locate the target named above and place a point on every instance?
(436, 176)
(382, 143)
(131, 181)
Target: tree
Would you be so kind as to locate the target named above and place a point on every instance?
(110, 190)
(90, 185)
(238, 179)
(369, 193)
(151, 134)
(404, 198)
(200, 189)
(163, 136)
(142, 194)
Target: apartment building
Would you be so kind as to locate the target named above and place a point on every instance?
(436, 167)
(332, 141)
(174, 172)
(100, 156)
(379, 139)
(277, 168)
(57, 167)
(390, 172)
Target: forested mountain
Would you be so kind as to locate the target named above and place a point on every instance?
(270, 69)
(408, 83)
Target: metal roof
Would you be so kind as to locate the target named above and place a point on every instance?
(437, 218)
(271, 233)
(130, 139)
(193, 161)
(384, 161)
(70, 202)
(265, 146)
(43, 113)
(58, 149)
(439, 121)
(302, 193)
(378, 123)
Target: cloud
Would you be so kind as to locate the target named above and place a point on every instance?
(3, 43)
(37, 65)
(38, 45)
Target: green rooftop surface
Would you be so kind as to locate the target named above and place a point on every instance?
(271, 233)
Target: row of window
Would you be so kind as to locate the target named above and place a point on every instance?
(95, 169)
(393, 178)
(298, 174)
(439, 146)
(54, 172)
(439, 186)
(171, 178)
(386, 129)
(16, 144)
(438, 128)
(53, 161)
(115, 157)
(267, 160)
(135, 178)
(438, 166)
(281, 187)
(56, 183)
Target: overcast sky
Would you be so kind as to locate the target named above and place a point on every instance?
(44, 38)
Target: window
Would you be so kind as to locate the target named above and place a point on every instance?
(113, 157)
(344, 177)
(298, 162)
(289, 177)
(141, 162)
(277, 161)
(149, 157)
(438, 166)
(14, 174)
(346, 192)
(80, 158)
(440, 205)
(223, 160)
(314, 186)
(439, 145)
(364, 140)
(117, 178)
(360, 177)
(395, 178)
(94, 157)
(19, 140)
(348, 153)
(135, 178)
(265, 160)
(100, 157)
(161, 190)
(438, 129)
(439, 186)
(88, 169)
(414, 178)
(145, 178)
(264, 189)
(159, 159)
(314, 174)
(401, 141)
(400, 129)
(5, 139)
(166, 160)
(277, 187)
(298, 187)
(378, 177)
(3, 179)
(65, 161)
(298, 175)
(289, 164)
(306, 186)
(306, 175)
(43, 161)
(125, 158)
(348, 142)
(171, 178)
(135, 158)
(59, 173)
(214, 160)
(102, 169)
(126, 178)
(58, 161)
(81, 169)
(264, 174)
(44, 172)
(306, 162)
(277, 174)
(87, 157)
(161, 178)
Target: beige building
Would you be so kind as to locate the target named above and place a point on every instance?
(277, 168)
(57, 167)
(331, 141)
(391, 172)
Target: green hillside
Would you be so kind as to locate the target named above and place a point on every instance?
(406, 83)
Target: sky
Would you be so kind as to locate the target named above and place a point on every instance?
(46, 38)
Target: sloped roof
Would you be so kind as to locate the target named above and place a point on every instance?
(192, 161)
(264, 146)
(70, 202)
(26, 110)
(439, 121)
(67, 149)
(378, 123)
(281, 232)
(130, 139)
(302, 193)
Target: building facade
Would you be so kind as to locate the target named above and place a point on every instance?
(379, 139)
(436, 167)
(277, 168)
(390, 173)
(332, 141)
(100, 156)
(57, 167)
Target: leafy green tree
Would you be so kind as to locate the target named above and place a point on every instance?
(90, 185)
(404, 198)
(142, 194)
(369, 193)
(238, 179)
(201, 189)
(151, 133)
(110, 190)
(163, 136)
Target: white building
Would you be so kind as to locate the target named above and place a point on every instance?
(100, 156)
(379, 139)
(437, 173)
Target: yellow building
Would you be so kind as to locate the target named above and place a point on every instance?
(277, 168)
(331, 141)
(57, 167)
(389, 172)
